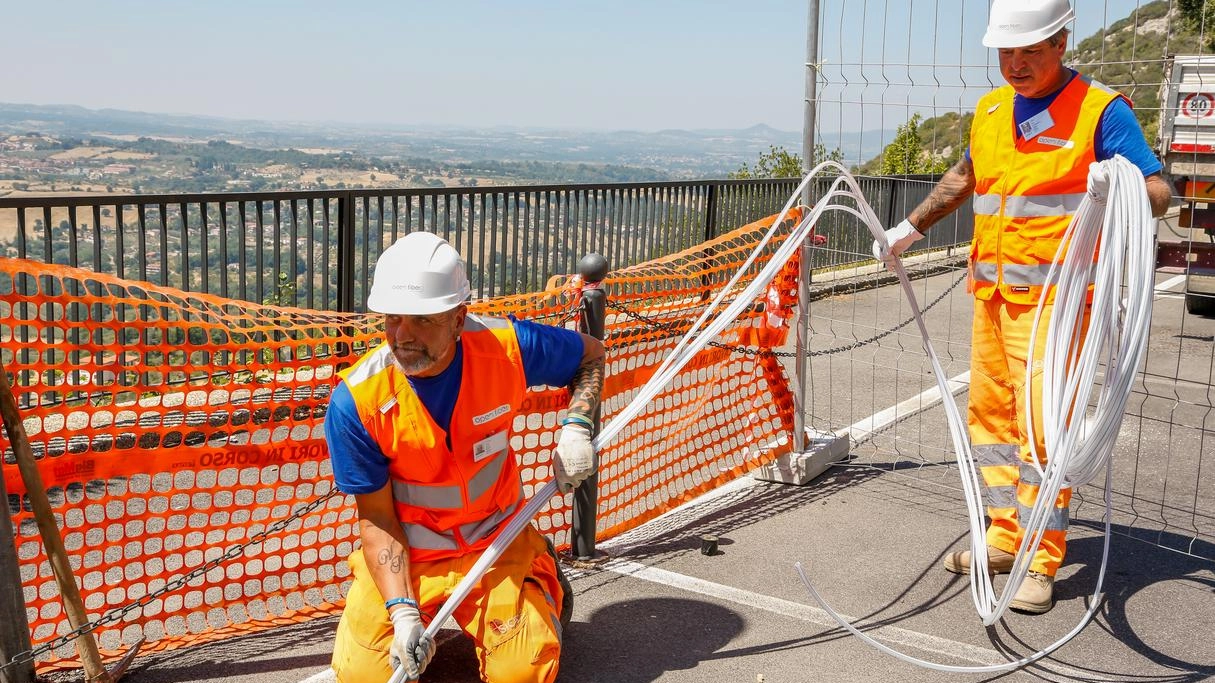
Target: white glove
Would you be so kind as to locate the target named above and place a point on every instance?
(575, 459)
(1098, 182)
(898, 239)
(410, 644)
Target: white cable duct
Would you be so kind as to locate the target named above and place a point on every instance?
(692, 343)
(1125, 229)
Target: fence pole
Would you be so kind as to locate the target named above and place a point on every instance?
(807, 268)
(593, 268)
(69, 592)
(14, 626)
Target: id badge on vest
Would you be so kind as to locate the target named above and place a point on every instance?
(1035, 125)
(490, 445)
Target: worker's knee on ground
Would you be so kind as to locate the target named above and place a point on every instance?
(522, 662)
(524, 647)
(364, 633)
(354, 662)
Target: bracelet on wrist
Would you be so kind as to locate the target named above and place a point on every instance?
(579, 420)
(393, 602)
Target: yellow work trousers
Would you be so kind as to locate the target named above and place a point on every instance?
(512, 616)
(999, 431)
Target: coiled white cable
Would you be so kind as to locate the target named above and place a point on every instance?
(1126, 230)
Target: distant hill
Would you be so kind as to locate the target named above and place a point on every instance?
(1128, 56)
(670, 153)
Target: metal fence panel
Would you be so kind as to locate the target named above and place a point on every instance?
(881, 63)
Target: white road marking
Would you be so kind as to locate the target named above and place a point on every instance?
(1169, 284)
(889, 635)
(878, 421)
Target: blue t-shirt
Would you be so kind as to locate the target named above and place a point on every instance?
(1118, 130)
(550, 355)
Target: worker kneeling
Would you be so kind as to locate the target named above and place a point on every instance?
(419, 431)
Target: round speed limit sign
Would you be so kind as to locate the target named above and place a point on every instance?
(1198, 105)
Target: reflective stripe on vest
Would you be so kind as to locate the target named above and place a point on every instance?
(421, 538)
(1035, 206)
(449, 497)
(1034, 276)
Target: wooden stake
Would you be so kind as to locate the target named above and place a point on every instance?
(86, 645)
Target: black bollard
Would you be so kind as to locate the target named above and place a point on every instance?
(593, 269)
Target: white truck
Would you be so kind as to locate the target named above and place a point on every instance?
(1187, 148)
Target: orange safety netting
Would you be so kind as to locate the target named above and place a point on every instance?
(171, 428)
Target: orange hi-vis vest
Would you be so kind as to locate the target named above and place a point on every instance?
(1026, 190)
(449, 501)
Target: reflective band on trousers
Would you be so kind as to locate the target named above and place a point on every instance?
(425, 539)
(1014, 274)
(1028, 206)
(448, 497)
(1058, 519)
(997, 454)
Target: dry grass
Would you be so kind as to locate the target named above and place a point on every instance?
(333, 176)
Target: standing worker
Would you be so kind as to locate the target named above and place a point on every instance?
(419, 432)
(1033, 150)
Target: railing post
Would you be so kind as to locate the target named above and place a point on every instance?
(345, 255)
(711, 212)
(14, 626)
(593, 268)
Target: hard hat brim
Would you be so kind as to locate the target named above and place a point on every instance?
(386, 303)
(1004, 39)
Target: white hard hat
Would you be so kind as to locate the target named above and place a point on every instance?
(1018, 23)
(419, 274)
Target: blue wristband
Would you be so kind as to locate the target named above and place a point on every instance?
(578, 419)
(389, 604)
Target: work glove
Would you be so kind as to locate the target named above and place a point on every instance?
(575, 459)
(898, 239)
(1098, 182)
(410, 644)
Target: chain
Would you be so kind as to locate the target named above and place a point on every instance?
(175, 584)
(905, 323)
(673, 328)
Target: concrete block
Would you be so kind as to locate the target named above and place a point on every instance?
(801, 468)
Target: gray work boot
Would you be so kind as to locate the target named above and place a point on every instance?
(1036, 594)
(998, 561)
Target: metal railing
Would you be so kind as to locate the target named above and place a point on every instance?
(317, 249)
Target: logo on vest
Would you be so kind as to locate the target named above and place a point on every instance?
(495, 413)
(1056, 142)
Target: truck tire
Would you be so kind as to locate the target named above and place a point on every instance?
(1200, 304)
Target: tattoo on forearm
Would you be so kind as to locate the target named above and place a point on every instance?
(952, 190)
(586, 388)
(393, 560)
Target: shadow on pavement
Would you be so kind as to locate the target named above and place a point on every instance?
(637, 641)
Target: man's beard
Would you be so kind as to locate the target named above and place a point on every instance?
(420, 359)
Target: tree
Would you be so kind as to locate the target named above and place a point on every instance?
(905, 155)
(1199, 16)
(779, 162)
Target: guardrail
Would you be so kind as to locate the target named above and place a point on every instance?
(316, 249)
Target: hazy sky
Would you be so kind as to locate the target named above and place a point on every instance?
(612, 64)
